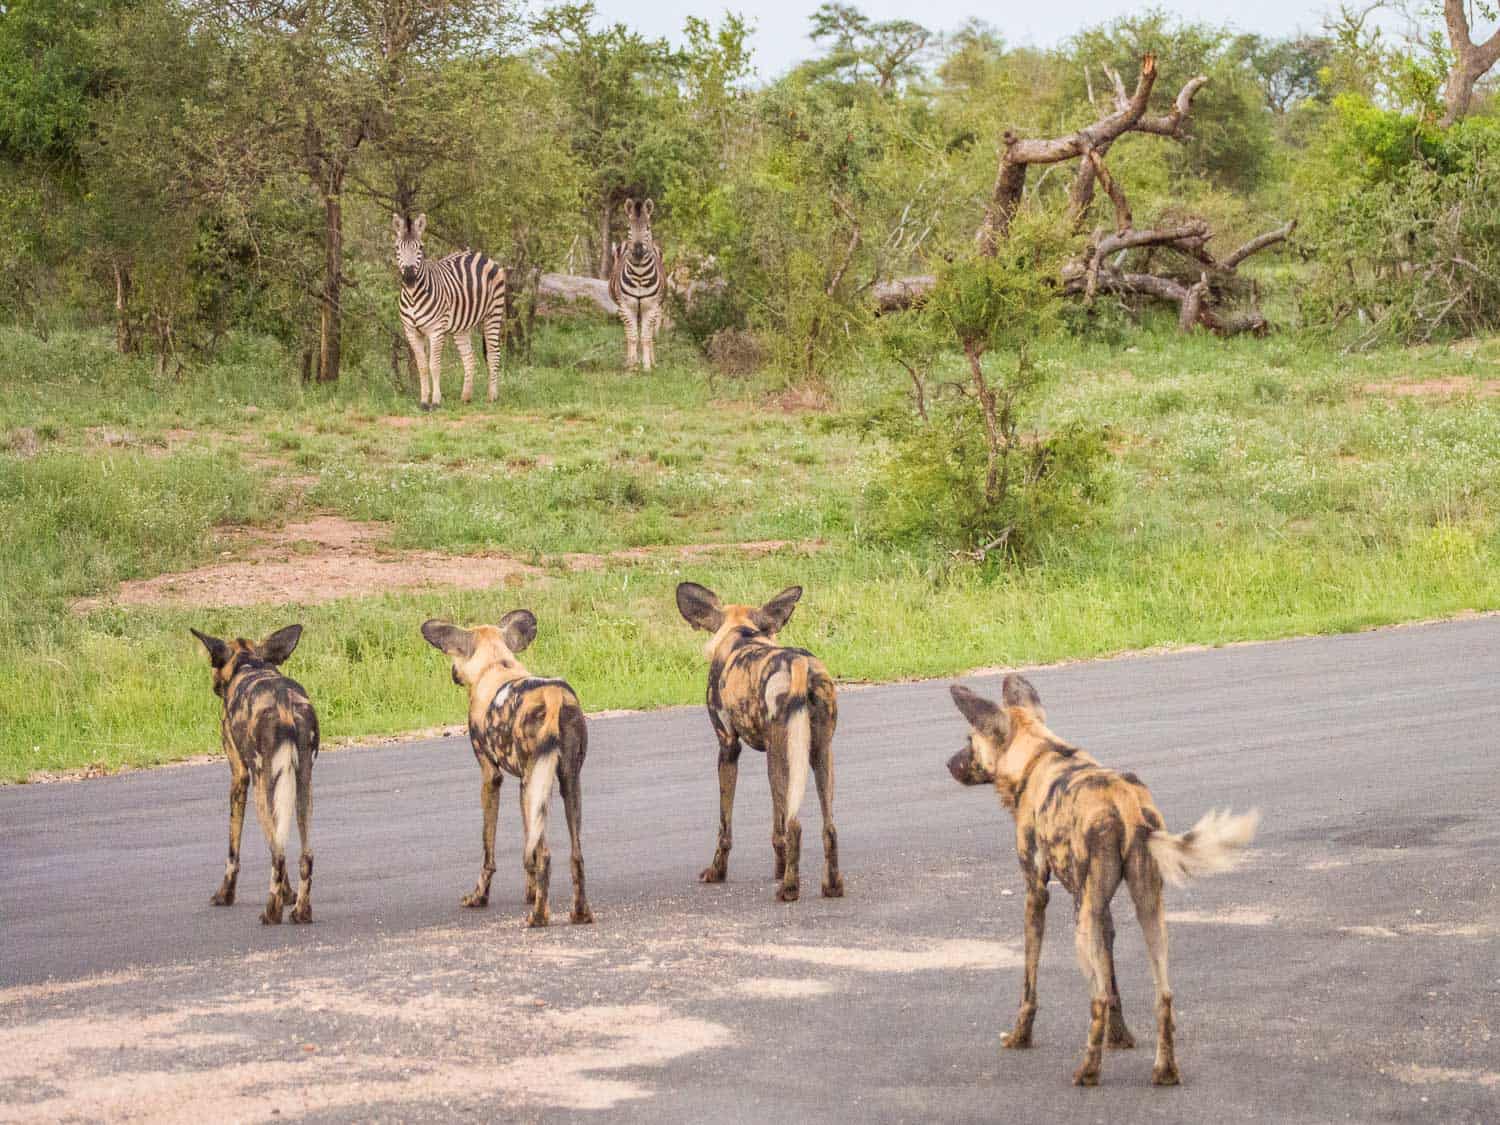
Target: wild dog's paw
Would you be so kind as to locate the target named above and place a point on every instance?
(834, 888)
(1166, 1076)
(538, 918)
(1119, 1036)
(530, 893)
(302, 913)
(788, 894)
(475, 900)
(584, 917)
(271, 915)
(222, 898)
(713, 874)
(1017, 1040)
(1086, 1075)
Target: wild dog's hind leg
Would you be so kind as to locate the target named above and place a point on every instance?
(489, 803)
(1118, 1035)
(1145, 890)
(1036, 926)
(1099, 884)
(729, 772)
(267, 815)
(302, 912)
(822, 766)
(239, 789)
(776, 772)
(527, 865)
(572, 795)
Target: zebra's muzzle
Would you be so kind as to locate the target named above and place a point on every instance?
(409, 274)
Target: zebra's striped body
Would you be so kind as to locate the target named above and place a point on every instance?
(453, 295)
(638, 283)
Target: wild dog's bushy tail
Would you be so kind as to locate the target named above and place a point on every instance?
(798, 736)
(1211, 845)
(284, 787)
(543, 769)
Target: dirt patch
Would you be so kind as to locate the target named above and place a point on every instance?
(1451, 387)
(317, 560)
(688, 552)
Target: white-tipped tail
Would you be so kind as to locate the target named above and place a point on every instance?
(538, 792)
(1211, 845)
(283, 791)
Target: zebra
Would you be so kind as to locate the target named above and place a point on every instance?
(637, 284)
(453, 295)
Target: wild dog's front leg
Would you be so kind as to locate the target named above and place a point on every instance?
(489, 803)
(729, 772)
(1036, 926)
(1118, 1035)
(239, 789)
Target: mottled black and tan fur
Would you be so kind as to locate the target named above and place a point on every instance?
(530, 728)
(777, 700)
(1089, 828)
(270, 735)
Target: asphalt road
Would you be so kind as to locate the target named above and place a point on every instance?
(1349, 972)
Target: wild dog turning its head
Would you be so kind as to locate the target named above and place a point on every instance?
(270, 736)
(525, 726)
(777, 700)
(1089, 828)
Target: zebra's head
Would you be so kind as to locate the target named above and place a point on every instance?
(409, 246)
(639, 244)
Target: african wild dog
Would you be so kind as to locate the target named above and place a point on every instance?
(270, 735)
(530, 728)
(777, 700)
(1088, 827)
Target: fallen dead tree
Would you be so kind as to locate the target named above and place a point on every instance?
(556, 290)
(1104, 265)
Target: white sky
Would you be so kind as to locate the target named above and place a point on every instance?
(781, 25)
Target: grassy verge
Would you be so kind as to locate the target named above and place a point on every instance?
(1263, 489)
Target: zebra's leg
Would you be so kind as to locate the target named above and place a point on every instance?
(466, 353)
(632, 336)
(436, 366)
(650, 322)
(418, 347)
(494, 340)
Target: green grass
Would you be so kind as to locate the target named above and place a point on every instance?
(1260, 491)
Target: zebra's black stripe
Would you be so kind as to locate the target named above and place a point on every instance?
(454, 294)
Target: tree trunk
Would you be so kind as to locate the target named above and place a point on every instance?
(124, 338)
(1471, 61)
(331, 323)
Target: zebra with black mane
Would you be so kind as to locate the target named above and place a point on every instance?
(451, 295)
(637, 284)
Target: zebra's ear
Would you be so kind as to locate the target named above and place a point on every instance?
(630, 209)
(399, 224)
(647, 208)
(419, 226)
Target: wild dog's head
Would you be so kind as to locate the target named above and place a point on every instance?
(409, 246)
(701, 608)
(990, 728)
(640, 244)
(223, 655)
(475, 651)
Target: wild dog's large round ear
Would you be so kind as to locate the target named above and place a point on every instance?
(398, 224)
(984, 715)
(450, 639)
(419, 226)
(518, 629)
(1018, 692)
(279, 645)
(773, 616)
(699, 607)
(218, 651)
